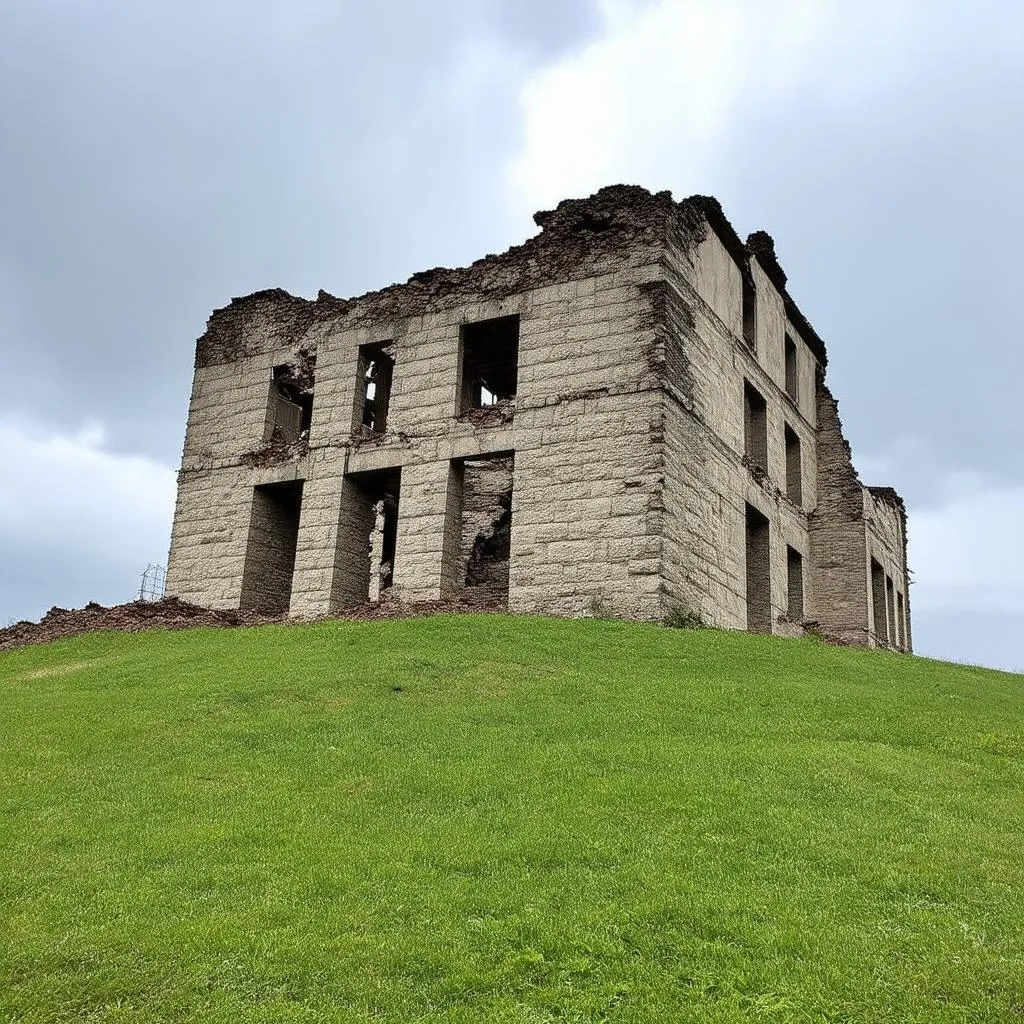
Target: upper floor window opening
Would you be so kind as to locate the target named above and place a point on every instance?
(748, 300)
(755, 426)
(290, 406)
(792, 374)
(376, 371)
(489, 363)
(794, 466)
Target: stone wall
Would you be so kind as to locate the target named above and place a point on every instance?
(577, 405)
(710, 483)
(614, 481)
(838, 538)
(886, 526)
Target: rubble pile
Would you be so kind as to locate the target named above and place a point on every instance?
(171, 613)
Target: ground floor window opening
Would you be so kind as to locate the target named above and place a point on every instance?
(364, 564)
(759, 606)
(271, 547)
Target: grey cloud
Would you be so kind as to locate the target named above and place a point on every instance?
(169, 156)
(897, 216)
(162, 158)
(546, 28)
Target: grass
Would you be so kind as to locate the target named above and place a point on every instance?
(490, 818)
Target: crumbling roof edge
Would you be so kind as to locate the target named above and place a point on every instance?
(890, 496)
(614, 205)
(711, 209)
(277, 295)
(618, 225)
(759, 245)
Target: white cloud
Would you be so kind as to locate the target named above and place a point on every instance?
(966, 552)
(653, 100)
(66, 495)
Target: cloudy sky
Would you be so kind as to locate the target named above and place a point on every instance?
(160, 158)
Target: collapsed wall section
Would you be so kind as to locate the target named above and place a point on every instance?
(260, 322)
(485, 530)
(838, 538)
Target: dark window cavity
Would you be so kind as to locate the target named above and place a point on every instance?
(755, 426)
(795, 571)
(376, 371)
(759, 607)
(364, 560)
(890, 605)
(270, 551)
(489, 351)
(478, 530)
(290, 406)
(749, 304)
(794, 467)
(792, 375)
(878, 602)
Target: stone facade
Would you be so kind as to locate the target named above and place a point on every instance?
(625, 415)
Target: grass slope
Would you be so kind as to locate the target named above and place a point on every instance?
(490, 818)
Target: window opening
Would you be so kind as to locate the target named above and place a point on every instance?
(486, 528)
(489, 364)
(290, 407)
(383, 536)
(792, 376)
(759, 608)
(376, 372)
(367, 535)
(755, 426)
(795, 570)
(270, 550)
(794, 467)
(878, 602)
(749, 308)
(890, 605)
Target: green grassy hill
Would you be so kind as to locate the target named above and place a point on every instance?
(491, 818)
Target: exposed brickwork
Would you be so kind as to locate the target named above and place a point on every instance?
(485, 530)
(839, 557)
(615, 480)
(257, 321)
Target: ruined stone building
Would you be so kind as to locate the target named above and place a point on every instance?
(626, 415)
